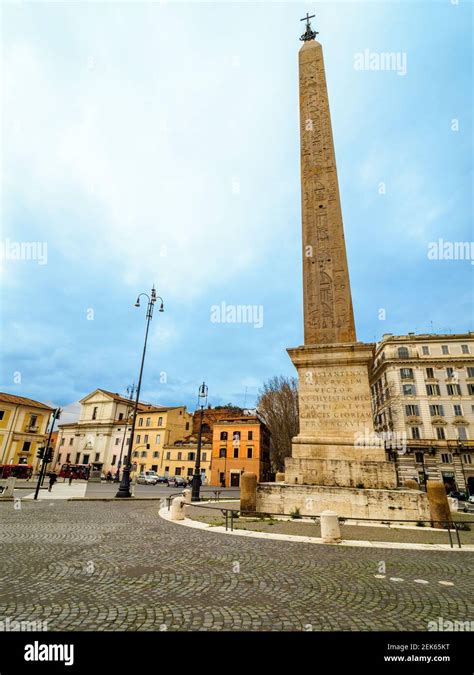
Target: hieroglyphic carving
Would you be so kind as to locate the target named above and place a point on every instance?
(328, 314)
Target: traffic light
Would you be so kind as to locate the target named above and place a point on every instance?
(40, 453)
(49, 455)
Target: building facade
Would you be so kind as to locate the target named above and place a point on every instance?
(239, 444)
(158, 428)
(423, 399)
(179, 459)
(23, 429)
(100, 434)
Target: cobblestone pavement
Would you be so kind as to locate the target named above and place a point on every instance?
(118, 566)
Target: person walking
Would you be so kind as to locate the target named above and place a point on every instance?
(52, 479)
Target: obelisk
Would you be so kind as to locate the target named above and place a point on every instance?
(334, 394)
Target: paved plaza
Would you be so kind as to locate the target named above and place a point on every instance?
(119, 566)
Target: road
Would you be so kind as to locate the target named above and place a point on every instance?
(118, 566)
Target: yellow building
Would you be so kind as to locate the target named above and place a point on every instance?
(23, 427)
(179, 459)
(155, 428)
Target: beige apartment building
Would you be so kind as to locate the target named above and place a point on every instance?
(423, 402)
(23, 429)
(158, 428)
(179, 458)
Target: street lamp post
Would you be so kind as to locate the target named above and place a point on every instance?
(46, 453)
(131, 390)
(196, 484)
(124, 489)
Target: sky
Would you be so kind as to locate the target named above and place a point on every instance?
(158, 143)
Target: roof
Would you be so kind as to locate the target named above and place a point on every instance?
(114, 395)
(21, 400)
(157, 408)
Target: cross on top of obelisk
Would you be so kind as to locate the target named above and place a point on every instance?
(308, 34)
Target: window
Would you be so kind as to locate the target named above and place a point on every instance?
(415, 433)
(465, 349)
(419, 457)
(78, 457)
(223, 436)
(470, 389)
(120, 416)
(138, 438)
(249, 453)
(406, 373)
(409, 390)
(180, 456)
(440, 433)
(117, 441)
(454, 389)
(470, 372)
(450, 372)
(436, 410)
(135, 454)
(114, 459)
(187, 426)
(430, 373)
(167, 469)
(94, 413)
(62, 440)
(190, 472)
(411, 410)
(68, 458)
(177, 471)
(145, 438)
(457, 410)
(446, 458)
(97, 457)
(144, 453)
(2, 415)
(462, 433)
(236, 437)
(222, 452)
(59, 459)
(236, 453)
(148, 421)
(168, 455)
(26, 446)
(160, 421)
(71, 441)
(444, 349)
(403, 353)
(250, 436)
(191, 456)
(140, 422)
(467, 459)
(204, 456)
(158, 438)
(156, 455)
(33, 420)
(433, 390)
(425, 350)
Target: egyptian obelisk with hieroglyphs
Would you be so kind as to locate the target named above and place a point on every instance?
(337, 462)
(334, 393)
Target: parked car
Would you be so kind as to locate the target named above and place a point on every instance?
(461, 496)
(143, 479)
(177, 481)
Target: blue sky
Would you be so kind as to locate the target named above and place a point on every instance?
(159, 143)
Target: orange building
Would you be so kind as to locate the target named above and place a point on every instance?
(239, 444)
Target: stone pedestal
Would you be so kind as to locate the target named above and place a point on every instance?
(248, 492)
(336, 445)
(330, 528)
(439, 506)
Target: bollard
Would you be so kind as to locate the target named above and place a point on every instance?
(330, 528)
(187, 494)
(8, 487)
(438, 501)
(248, 492)
(453, 504)
(177, 509)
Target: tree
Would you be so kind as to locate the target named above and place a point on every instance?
(277, 405)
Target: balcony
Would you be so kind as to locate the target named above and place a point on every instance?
(32, 429)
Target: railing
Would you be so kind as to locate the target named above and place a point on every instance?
(453, 527)
(216, 494)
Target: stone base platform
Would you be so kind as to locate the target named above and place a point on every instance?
(311, 500)
(340, 473)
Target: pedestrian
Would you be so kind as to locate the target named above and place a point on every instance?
(109, 476)
(52, 479)
(71, 476)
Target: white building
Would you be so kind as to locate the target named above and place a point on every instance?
(423, 389)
